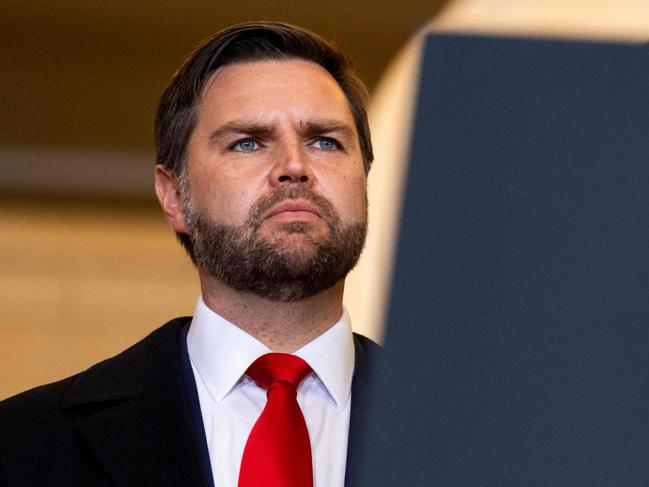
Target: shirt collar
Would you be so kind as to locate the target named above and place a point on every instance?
(222, 352)
(331, 356)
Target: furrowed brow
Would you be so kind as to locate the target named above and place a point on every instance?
(240, 128)
(326, 126)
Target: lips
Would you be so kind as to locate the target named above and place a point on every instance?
(293, 206)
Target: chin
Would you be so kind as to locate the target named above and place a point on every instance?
(298, 234)
(298, 254)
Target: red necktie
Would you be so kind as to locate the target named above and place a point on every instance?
(278, 451)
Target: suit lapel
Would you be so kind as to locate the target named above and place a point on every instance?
(133, 413)
(360, 409)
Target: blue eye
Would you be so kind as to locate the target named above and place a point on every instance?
(246, 145)
(326, 143)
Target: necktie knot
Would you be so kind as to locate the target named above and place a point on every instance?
(273, 368)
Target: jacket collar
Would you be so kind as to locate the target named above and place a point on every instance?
(133, 413)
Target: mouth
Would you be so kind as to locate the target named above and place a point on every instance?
(294, 210)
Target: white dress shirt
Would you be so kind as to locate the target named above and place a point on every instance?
(231, 402)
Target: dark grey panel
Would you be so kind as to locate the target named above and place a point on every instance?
(518, 340)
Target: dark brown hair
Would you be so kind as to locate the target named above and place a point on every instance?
(241, 43)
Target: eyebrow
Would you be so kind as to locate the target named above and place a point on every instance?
(240, 127)
(324, 126)
(311, 127)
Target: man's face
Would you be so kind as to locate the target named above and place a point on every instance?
(277, 191)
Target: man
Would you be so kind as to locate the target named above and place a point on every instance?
(263, 150)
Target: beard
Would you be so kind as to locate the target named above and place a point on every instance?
(270, 266)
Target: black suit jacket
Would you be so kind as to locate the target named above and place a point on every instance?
(128, 421)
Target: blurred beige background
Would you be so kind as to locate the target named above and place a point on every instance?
(87, 263)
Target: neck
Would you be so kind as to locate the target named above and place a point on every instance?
(281, 326)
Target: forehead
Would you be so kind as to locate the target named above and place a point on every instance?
(266, 89)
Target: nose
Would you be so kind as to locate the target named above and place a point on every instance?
(292, 166)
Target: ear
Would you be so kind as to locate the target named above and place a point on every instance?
(168, 192)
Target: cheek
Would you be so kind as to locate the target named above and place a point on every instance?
(353, 199)
(360, 201)
(229, 203)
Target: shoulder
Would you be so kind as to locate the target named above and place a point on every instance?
(106, 380)
(365, 345)
(40, 442)
(366, 354)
